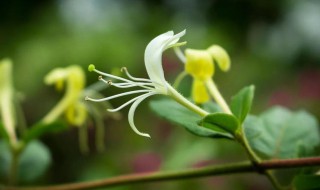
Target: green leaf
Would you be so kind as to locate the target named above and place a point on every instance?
(40, 129)
(279, 133)
(177, 114)
(307, 182)
(220, 122)
(34, 161)
(241, 103)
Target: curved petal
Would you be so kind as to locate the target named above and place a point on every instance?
(153, 55)
(133, 109)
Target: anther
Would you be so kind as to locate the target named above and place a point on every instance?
(109, 82)
(100, 77)
(86, 98)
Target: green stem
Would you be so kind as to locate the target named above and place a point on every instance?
(241, 138)
(14, 165)
(274, 181)
(212, 88)
(185, 102)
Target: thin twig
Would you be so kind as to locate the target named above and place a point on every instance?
(241, 167)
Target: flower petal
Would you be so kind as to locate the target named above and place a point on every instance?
(153, 55)
(132, 110)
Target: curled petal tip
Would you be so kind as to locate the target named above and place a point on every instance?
(91, 68)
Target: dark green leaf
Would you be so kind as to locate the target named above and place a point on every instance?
(180, 115)
(280, 133)
(34, 161)
(307, 182)
(241, 103)
(221, 122)
(40, 129)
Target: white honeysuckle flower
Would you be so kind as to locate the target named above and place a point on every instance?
(156, 84)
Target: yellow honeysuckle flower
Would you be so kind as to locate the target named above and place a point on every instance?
(73, 78)
(200, 65)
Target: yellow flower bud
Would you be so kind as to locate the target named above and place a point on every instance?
(199, 92)
(73, 79)
(199, 64)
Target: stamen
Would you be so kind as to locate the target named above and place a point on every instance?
(128, 84)
(124, 69)
(180, 55)
(133, 85)
(129, 102)
(117, 95)
(112, 76)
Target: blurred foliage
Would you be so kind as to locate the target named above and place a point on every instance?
(272, 44)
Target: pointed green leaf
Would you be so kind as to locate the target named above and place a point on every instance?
(241, 103)
(177, 114)
(221, 122)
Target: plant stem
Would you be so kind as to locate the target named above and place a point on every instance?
(212, 88)
(241, 167)
(14, 165)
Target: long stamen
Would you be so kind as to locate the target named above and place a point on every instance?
(137, 79)
(127, 84)
(116, 96)
(180, 55)
(131, 85)
(125, 104)
(112, 76)
(125, 70)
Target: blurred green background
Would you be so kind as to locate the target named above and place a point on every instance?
(274, 45)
